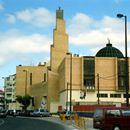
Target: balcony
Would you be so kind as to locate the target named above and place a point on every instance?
(1, 96)
(90, 88)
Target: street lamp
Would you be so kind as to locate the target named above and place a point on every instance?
(25, 82)
(70, 81)
(126, 60)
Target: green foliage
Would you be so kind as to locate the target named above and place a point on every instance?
(24, 100)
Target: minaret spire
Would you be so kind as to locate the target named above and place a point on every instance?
(60, 13)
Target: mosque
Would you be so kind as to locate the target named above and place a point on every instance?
(72, 79)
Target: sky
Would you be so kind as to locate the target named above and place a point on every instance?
(26, 29)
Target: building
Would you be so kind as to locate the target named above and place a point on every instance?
(31, 80)
(10, 88)
(42, 82)
(96, 79)
(72, 79)
(1, 99)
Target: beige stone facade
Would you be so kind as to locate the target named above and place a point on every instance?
(46, 91)
(31, 80)
(51, 83)
(106, 67)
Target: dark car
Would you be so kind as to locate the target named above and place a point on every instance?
(11, 112)
(112, 118)
(26, 113)
(3, 113)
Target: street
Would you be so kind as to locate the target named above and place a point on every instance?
(49, 123)
(21, 123)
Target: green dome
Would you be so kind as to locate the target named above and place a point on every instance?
(109, 51)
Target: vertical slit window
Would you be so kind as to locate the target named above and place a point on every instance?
(30, 78)
(44, 77)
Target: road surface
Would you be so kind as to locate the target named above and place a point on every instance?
(21, 123)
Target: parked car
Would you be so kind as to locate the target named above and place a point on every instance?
(112, 119)
(26, 113)
(3, 113)
(11, 112)
(40, 113)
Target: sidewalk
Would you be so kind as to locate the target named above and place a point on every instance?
(79, 124)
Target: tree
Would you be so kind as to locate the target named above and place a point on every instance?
(24, 100)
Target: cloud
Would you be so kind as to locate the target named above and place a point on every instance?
(15, 45)
(1, 6)
(40, 17)
(10, 19)
(79, 24)
(86, 31)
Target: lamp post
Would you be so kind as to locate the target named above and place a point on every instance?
(126, 60)
(70, 81)
(25, 82)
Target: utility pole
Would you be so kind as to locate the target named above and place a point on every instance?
(98, 88)
(67, 97)
(25, 82)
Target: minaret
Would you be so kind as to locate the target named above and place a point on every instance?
(60, 41)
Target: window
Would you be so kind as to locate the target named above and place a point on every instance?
(125, 95)
(113, 113)
(9, 90)
(89, 72)
(121, 74)
(89, 82)
(126, 112)
(121, 67)
(30, 78)
(98, 113)
(103, 95)
(44, 77)
(115, 95)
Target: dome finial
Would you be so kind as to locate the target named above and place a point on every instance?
(108, 40)
(108, 44)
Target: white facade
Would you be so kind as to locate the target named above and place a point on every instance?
(10, 88)
(91, 98)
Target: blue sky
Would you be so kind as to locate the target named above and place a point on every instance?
(26, 29)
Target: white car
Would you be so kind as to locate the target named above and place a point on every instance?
(41, 113)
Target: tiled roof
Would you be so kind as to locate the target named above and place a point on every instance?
(109, 51)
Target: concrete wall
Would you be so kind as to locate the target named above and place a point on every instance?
(107, 70)
(53, 88)
(37, 89)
